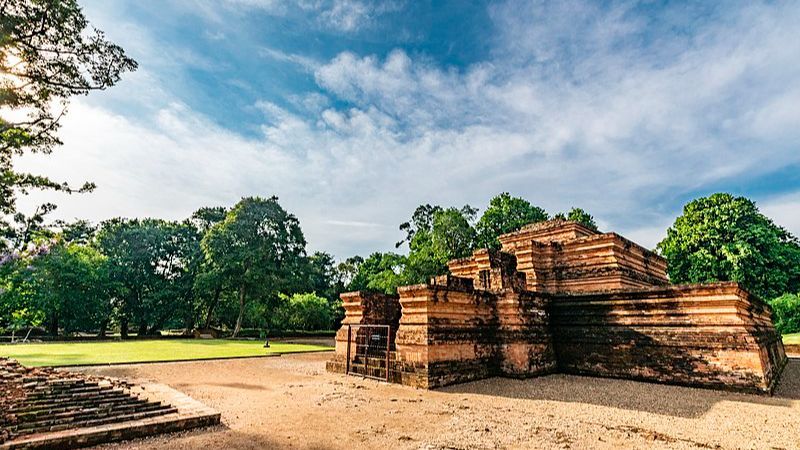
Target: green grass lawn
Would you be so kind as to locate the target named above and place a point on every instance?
(793, 339)
(81, 353)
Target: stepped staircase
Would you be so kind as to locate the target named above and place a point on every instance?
(370, 366)
(38, 401)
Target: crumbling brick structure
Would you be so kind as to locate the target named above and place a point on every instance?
(45, 408)
(560, 297)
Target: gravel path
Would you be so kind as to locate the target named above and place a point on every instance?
(291, 402)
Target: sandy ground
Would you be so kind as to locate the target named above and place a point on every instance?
(291, 402)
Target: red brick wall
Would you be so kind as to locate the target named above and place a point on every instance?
(565, 298)
(709, 335)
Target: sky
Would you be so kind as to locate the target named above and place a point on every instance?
(355, 112)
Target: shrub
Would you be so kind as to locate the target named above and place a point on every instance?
(787, 313)
(303, 312)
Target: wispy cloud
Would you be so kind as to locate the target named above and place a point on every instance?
(306, 63)
(578, 105)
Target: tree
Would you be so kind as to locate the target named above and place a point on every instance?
(257, 249)
(304, 312)
(504, 215)
(46, 56)
(320, 276)
(69, 286)
(726, 238)
(580, 216)
(421, 220)
(787, 313)
(382, 272)
(447, 236)
(78, 232)
(209, 283)
(16, 305)
(24, 318)
(152, 264)
(346, 272)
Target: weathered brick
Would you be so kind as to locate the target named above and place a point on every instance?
(560, 296)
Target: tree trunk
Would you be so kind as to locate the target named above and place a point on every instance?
(241, 312)
(217, 293)
(123, 327)
(54, 325)
(158, 325)
(103, 329)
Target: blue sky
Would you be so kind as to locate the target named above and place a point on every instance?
(355, 112)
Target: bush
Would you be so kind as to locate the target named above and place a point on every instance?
(303, 312)
(787, 313)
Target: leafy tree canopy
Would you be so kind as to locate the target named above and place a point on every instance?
(787, 313)
(578, 215)
(303, 312)
(259, 249)
(48, 53)
(449, 236)
(726, 238)
(381, 272)
(504, 215)
(152, 264)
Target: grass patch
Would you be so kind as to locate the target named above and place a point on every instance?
(791, 339)
(83, 353)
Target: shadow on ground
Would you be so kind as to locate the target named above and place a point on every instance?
(654, 398)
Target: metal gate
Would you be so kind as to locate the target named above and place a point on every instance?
(368, 348)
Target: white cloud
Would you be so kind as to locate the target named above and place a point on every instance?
(784, 210)
(306, 63)
(348, 15)
(560, 117)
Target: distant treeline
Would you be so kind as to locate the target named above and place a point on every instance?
(247, 266)
(219, 268)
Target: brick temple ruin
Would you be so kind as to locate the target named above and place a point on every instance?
(561, 298)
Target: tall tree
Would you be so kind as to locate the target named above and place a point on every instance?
(421, 220)
(382, 272)
(151, 264)
(346, 273)
(257, 248)
(504, 215)
(448, 235)
(320, 276)
(209, 283)
(69, 286)
(726, 238)
(578, 215)
(48, 53)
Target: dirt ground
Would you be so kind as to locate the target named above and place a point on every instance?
(291, 402)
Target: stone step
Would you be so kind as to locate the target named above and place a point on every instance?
(77, 393)
(377, 371)
(62, 384)
(370, 362)
(72, 403)
(100, 408)
(99, 404)
(160, 411)
(83, 416)
(55, 386)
